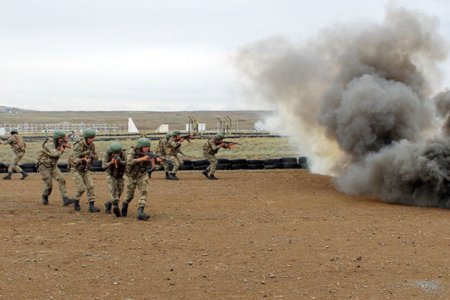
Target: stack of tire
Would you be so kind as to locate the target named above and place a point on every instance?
(187, 165)
(238, 164)
(29, 167)
(255, 164)
(96, 166)
(201, 164)
(63, 167)
(303, 162)
(3, 168)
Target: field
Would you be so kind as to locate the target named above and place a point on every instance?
(145, 121)
(251, 148)
(252, 234)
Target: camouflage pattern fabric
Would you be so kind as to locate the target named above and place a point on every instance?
(48, 168)
(82, 150)
(210, 150)
(15, 163)
(212, 163)
(18, 148)
(136, 176)
(83, 182)
(141, 183)
(115, 187)
(48, 174)
(176, 163)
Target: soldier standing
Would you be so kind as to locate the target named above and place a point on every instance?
(138, 163)
(18, 147)
(210, 149)
(48, 166)
(162, 149)
(80, 161)
(173, 148)
(114, 162)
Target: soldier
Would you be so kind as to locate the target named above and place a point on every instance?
(48, 166)
(114, 162)
(162, 149)
(173, 148)
(210, 149)
(138, 163)
(80, 161)
(18, 147)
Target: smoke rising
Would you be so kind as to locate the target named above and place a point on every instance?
(357, 100)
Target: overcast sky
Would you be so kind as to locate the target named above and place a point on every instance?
(155, 55)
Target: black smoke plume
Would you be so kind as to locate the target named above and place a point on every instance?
(357, 100)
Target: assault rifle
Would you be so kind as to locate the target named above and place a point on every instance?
(187, 137)
(227, 144)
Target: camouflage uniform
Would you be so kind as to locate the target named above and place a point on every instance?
(80, 171)
(136, 175)
(162, 149)
(173, 148)
(210, 149)
(47, 163)
(18, 147)
(114, 176)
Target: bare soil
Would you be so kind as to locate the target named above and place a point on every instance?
(250, 235)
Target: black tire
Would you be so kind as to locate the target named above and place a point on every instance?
(271, 167)
(255, 166)
(28, 166)
(223, 166)
(199, 167)
(201, 162)
(96, 163)
(289, 165)
(187, 162)
(255, 162)
(303, 162)
(238, 161)
(96, 169)
(288, 160)
(238, 166)
(187, 167)
(63, 167)
(223, 161)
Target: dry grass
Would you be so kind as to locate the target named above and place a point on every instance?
(250, 148)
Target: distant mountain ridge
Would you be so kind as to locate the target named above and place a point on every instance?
(9, 109)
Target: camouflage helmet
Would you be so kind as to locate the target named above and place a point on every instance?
(176, 132)
(143, 142)
(115, 147)
(220, 136)
(89, 133)
(14, 130)
(57, 135)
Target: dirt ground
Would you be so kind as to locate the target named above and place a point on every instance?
(250, 235)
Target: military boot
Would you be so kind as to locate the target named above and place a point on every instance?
(116, 210)
(44, 199)
(92, 207)
(212, 177)
(205, 173)
(167, 175)
(7, 177)
(173, 176)
(108, 206)
(142, 216)
(76, 205)
(24, 175)
(124, 209)
(67, 201)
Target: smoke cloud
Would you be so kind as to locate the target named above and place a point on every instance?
(357, 100)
